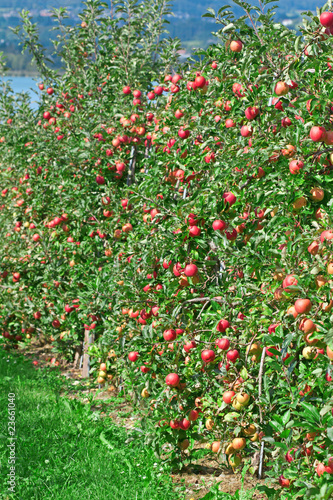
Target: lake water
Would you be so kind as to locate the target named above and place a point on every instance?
(24, 84)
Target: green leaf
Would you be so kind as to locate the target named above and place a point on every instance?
(286, 417)
(228, 27)
(311, 412)
(330, 433)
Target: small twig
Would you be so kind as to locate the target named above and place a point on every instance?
(202, 309)
(250, 345)
(246, 183)
(254, 27)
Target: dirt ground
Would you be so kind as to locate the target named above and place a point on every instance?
(198, 478)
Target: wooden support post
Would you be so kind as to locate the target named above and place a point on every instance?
(131, 169)
(77, 356)
(88, 340)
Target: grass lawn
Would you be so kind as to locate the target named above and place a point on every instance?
(66, 451)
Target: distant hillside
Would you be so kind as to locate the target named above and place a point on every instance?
(187, 23)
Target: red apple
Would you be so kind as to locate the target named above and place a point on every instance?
(133, 356)
(223, 344)
(191, 270)
(232, 355)
(172, 379)
(326, 19)
(219, 225)
(281, 88)
(303, 306)
(285, 483)
(295, 166)
(317, 134)
(251, 112)
(208, 355)
(228, 397)
(169, 335)
(236, 46)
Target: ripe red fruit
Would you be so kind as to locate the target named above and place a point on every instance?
(295, 166)
(277, 105)
(179, 114)
(172, 379)
(307, 326)
(166, 264)
(223, 344)
(317, 134)
(231, 235)
(228, 397)
(189, 345)
(36, 237)
(208, 355)
(183, 134)
(194, 231)
(281, 88)
(175, 79)
(193, 415)
(289, 280)
(229, 198)
(290, 455)
(232, 355)
(158, 90)
(177, 269)
(320, 469)
(303, 306)
(55, 323)
(200, 81)
(184, 424)
(50, 90)
(285, 483)
(313, 248)
(174, 424)
(236, 46)
(133, 356)
(329, 467)
(222, 325)
(326, 19)
(219, 225)
(326, 235)
(251, 112)
(286, 122)
(246, 131)
(229, 123)
(100, 179)
(191, 270)
(169, 335)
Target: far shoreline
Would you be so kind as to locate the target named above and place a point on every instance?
(19, 74)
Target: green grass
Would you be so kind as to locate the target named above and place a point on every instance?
(67, 451)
